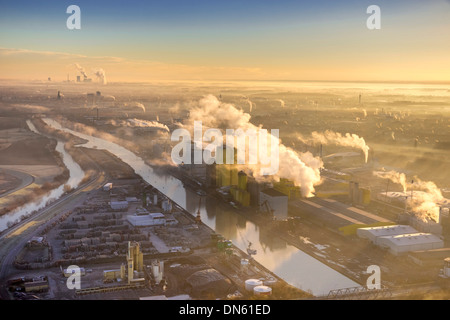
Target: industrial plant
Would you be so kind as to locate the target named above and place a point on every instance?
(112, 202)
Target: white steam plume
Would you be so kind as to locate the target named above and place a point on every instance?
(394, 176)
(302, 169)
(147, 124)
(331, 137)
(423, 197)
(250, 103)
(81, 69)
(100, 74)
(135, 104)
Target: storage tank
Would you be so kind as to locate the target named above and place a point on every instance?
(270, 282)
(250, 284)
(262, 291)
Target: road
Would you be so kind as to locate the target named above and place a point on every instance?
(26, 180)
(13, 239)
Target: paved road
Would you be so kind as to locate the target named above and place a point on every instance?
(26, 180)
(13, 239)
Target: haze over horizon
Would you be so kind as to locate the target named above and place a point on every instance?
(252, 40)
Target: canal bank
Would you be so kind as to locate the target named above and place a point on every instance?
(281, 229)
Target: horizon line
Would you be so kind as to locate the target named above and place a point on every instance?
(238, 80)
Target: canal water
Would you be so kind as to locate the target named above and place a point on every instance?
(76, 174)
(286, 261)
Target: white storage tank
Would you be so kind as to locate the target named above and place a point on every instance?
(262, 291)
(270, 282)
(252, 283)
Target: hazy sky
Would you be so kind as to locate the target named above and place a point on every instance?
(215, 39)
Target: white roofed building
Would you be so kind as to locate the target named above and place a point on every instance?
(373, 233)
(403, 243)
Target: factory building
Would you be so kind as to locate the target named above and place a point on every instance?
(134, 268)
(275, 201)
(375, 233)
(288, 188)
(37, 285)
(135, 261)
(150, 219)
(358, 195)
(108, 186)
(410, 242)
(119, 205)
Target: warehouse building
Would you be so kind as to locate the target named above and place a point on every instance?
(277, 202)
(119, 205)
(410, 242)
(400, 239)
(374, 233)
(151, 219)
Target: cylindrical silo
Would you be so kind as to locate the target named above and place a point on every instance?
(252, 283)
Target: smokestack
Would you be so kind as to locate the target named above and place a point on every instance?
(100, 74)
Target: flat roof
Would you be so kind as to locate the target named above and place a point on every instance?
(412, 238)
(390, 230)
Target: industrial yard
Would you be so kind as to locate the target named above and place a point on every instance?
(140, 227)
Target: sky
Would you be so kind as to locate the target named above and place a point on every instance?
(227, 40)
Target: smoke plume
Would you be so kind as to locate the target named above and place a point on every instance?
(423, 197)
(302, 169)
(81, 69)
(136, 105)
(100, 74)
(250, 103)
(147, 124)
(331, 137)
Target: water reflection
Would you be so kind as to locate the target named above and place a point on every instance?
(76, 174)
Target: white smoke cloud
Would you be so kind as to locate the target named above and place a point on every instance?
(282, 104)
(423, 197)
(147, 124)
(331, 137)
(81, 69)
(302, 169)
(136, 105)
(100, 74)
(394, 176)
(250, 103)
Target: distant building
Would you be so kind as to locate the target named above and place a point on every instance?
(107, 186)
(119, 205)
(151, 219)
